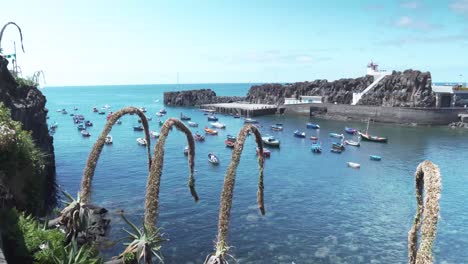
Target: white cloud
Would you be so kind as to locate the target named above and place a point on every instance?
(460, 7)
(407, 22)
(411, 4)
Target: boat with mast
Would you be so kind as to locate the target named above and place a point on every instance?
(367, 137)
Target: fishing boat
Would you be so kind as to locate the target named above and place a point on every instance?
(138, 128)
(271, 141)
(149, 118)
(218, 125)
(231, 138)
(199, 137)
(316, 148)
(299, 134)
(143, 109)
(95, 110)
(119, 122)
(192, 124)
(163, 111)
(102, 112)
(81, 127)
(337, 145)
(277, 127)
(75, 108)
(367, 137)
(159, 114)
(154, 134)
(312, 125)
(229, 144)
(237, 116)
(250, 121)
(208, 111)
(350, 130)
(54, 125)
(375, 157)
(184, 117)
(335, 135)
(212, 118)
(210, 131)
(266, 152)
(108, 140)
(88, 123)
(337, 151)
(186, 150)
(64, 112)
(106, 106)
(352, 143)
(313, 138)
(85, 133)
(141, 141)
(353, 165)
(213, 159)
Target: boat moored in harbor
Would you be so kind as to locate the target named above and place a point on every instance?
(271, 141)
(277, 127)
(210, 131)
(312, 126)
(353, 165)
(218, 125)
(336, 135)
(266, 152)
(85, 133)
(375, 157)
(184, 117)
(212, 118)
(299, 134)
(109, 140)
(350, 130)
(213, 159)
(141, 141)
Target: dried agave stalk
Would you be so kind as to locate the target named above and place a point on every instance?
(154, 177)
(93, 157)
(228, 190)
(3, 30)
(427, 213)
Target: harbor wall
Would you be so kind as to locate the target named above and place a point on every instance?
(400, 115)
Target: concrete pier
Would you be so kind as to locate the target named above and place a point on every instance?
(244, 109)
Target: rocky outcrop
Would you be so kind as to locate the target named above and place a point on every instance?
(408, 88)
(27, 105)
(197, 97)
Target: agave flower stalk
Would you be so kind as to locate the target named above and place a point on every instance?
(427, 213)
(3, 30)
(93, 157)
(228, 190)
(154, 177)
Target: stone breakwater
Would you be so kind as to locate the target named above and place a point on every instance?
(400, 89)
(27, 105)
(197, 97)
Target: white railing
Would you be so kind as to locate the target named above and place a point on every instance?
(357, 96)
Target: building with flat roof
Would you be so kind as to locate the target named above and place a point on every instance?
(304, 99)
(451, 95)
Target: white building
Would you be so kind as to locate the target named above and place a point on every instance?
(304, 99)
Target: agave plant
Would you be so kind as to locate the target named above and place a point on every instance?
(72, 254)
(73, 217)
(221, 254)
(3, 29)
(427, 213)
(36, 77)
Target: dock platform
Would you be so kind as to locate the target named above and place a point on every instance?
(241, 108)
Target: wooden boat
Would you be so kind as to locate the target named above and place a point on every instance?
(213, 159)
(271, 141)
(186, 150)
(299, 134)
(229, 144)
(102, 113)
(184, 117)
(352, 143)
(85, 133)
(163, 111)
(237, 116)
(250, 121)
(199, 137)
(350, 130)
(266, 152)
(138, 128)
(154, 134)
(337, 151)
(367, 137)
(159, 114)
(88, 123)
(95, 110)
(354, 165)
(218, 125)
(231, 138)
(335, 135)
(141, 141)
(192, 124)
(316, 148)
(212, 118)
(64, 112)
(109, 140)
(313, 138)
(81, 127)
(211, 131)
(312, 126)
(337, 145)
(277, 127)
(375, 157)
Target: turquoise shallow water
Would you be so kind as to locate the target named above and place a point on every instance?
(317, 209)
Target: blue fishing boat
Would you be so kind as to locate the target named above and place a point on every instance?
(184, 117)
(81, 127)
(338, 151)
(337, 145)
(335, 135)
(375, 157)
(316, 148)
(277, 127)
(312, 125)
(299, 134)
(351, 130)
(212, 118)
(138, 128)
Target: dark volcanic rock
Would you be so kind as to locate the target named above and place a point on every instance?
(408, 88)
(197, 97)
(27, 105)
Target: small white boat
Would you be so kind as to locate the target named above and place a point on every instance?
(352, 143)
(213, 159)
(250, 121)
(143, 109)
(108, 140)
(141, 141)
(159, 114)
(119, 122)
(186, 149)
(156, 100)
(154, 134)
(354, 165)
(218, 125)
(106, 106)
(192, 124)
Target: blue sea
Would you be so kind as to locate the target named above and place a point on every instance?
(318, 210)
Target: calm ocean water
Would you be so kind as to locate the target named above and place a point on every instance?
(317, 209)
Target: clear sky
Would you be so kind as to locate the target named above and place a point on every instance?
(147, 42)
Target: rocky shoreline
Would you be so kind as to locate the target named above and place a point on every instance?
(197, 97)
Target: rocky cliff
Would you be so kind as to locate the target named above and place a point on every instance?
(27, 105)
(408, 88)
(197, 97)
